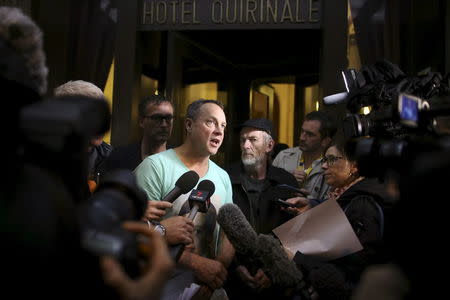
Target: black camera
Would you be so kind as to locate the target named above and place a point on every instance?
(402, 119)
(116, 199)
(56, 134)
(398, 104)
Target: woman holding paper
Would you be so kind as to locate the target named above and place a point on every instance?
(361, 199)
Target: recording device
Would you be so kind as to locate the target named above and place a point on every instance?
(261, 251)
(402, 119)
(184, 184)
(116, 199)
(56, 135)
(284, 203)
(199, 201)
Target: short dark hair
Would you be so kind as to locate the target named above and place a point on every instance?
(194, 107)
(328, 127)
(152, 99)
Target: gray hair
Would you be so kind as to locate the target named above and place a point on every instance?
(79, 87)
(25, 38)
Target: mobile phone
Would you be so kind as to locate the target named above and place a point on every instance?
(408, 109)
(290, 188)
(284, 203)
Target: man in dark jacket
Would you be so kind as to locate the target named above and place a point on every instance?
(156, 121)
(255, 185)
(98, 149)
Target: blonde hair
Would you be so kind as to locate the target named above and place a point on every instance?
(25, 38)
(79, 87)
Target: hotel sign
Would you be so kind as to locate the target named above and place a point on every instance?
(229, 14)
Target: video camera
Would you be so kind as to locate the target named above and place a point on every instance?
(402, 118)
(56, 134)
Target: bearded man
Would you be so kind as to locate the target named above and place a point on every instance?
(255, 185)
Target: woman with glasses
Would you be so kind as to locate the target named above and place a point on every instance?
(362, 200)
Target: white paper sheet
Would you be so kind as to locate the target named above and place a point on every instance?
(323, 231)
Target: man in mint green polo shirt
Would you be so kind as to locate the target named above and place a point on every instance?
(205, 127)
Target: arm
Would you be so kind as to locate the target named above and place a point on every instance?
(208, 271)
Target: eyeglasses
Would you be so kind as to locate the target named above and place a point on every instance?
(160, 118)
(330, 159)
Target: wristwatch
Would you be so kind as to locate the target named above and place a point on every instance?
(161, 229)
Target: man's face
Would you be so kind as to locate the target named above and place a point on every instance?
(207, 130)
(157, 122)
(310, 138)
(254, 146)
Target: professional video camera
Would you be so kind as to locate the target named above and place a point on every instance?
(56, 134)
(116, 199)
(402, 117)
(398, 103)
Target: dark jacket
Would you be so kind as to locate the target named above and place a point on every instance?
(336, 279)
(268, 212)
(124, 157)
(97, 159)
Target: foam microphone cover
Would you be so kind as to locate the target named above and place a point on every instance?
(275, 262)
(238, 230)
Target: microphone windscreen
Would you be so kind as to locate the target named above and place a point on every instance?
(238, 230)
(207, 185)
(187, 181)
(275, 262)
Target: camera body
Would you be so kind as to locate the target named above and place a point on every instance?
(116, 199)
(55, 137)
(402, 118)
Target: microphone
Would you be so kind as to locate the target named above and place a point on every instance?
(184, 184)
(199, 201)
(335, 98)
(261, 251)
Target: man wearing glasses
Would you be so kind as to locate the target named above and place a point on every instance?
(156, 121)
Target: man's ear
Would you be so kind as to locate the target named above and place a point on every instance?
(141, 122)
(188, 125)
(270, 146)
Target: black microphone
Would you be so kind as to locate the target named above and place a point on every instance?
(199, 201)
(261, 251)
(184, 184)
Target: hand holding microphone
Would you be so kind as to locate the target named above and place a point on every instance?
(199, 201)
(261, 251)
(157, 209)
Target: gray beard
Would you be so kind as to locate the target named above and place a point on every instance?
(251, 162)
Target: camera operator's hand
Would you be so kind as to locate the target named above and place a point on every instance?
(300, 175)
(158, 268)
(301, 205)
(156, 210)
(179, 230)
